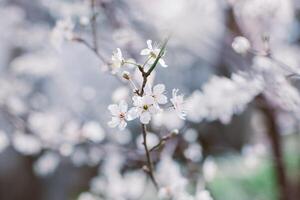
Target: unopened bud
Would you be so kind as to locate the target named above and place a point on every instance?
(126, 75)
(175, 132)
(146, 168)
(241, 45)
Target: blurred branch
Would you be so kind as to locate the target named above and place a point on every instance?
(276, 145)
(94, 25)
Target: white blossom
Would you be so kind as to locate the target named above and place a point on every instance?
(119, 115)
(153, 53)
(241, 45)
(144, 108)
(93, 131)
(46, 164)
(62, 31)
(178, 104)
(203, 195)
(26, 144)
(157, 93)
(117, 61)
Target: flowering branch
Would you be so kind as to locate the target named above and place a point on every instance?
(149, 168)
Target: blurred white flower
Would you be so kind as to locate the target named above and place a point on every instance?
(241, 45)
(173, 183)
(223, 97)
(46, 164)
(144, 108)
(26, 144)
(193, 152)
(120, 93)
(168, 119)
(152, 53)
(203, 195)
(209, 169)
(79, 157)
(117, 61)
(84, 20)
(4, 142)
(152, 140)
(93, 131)
(87, 196)
(62, 31)
(157, 93)
(119, 115)
(190, 135)
(177, 101)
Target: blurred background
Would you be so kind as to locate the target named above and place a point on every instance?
(54, 91)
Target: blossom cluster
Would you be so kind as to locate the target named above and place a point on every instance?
(147, 101)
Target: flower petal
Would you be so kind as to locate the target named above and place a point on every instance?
(162, 63)
(115, 121)
(132, 114)
(149, 44)
(148, 100)
(123, 106)
(161, 99)
(122, 125)
(159, 89)
(145, 118)
(145, 52)
(147, 89)
(114, 109)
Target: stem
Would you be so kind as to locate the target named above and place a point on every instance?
(276, 145)
(163, 141)
(94, 26)
(89, 46)
(149, 161)
(149, 168)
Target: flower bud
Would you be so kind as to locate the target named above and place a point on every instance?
(241, 45)
(126, 75)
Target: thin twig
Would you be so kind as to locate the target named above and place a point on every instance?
(149, 168)
(89, 46)
(94, 25)
(163, 141)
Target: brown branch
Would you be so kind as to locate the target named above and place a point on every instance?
(277, 149)
(94, 25)
(149, 168)
(89, 46)
(163, 140)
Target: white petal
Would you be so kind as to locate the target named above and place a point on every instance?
(154, 109)
(162, 63)
(132, 114)
(122, 125)
(149, 44)
(159, 89)
(161, 99)
(148, 100)
(114, 109)
(123, 106)
(137, 100)
(119, 54)
(145, 118)
(145, 52)
(115, 121)
(147, 89)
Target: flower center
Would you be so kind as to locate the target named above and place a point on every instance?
(145, 107)
(152, 54)
(122, 115)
